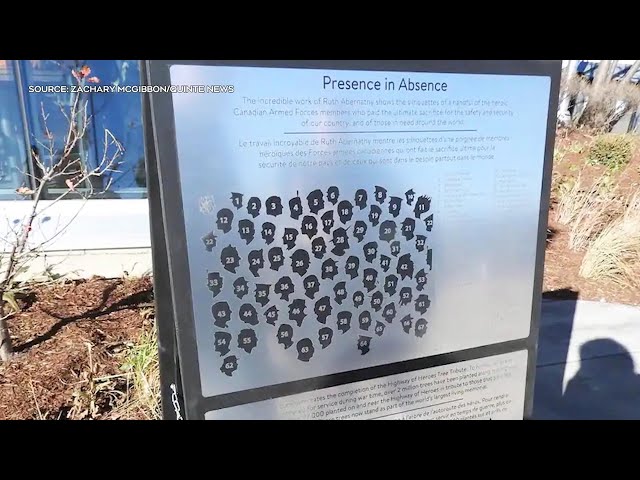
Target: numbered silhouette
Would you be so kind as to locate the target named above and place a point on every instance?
(221, 314)
(364, 320)
(379, 328)
(309, 226)
(262, 294)
(421, 241)
(423, 204)
(370, 251)
(389, 312)
(222, 341)
(358, 299)
(274, 206)
(236, 200)
(300, 262)
(360, 199)
(364, 344)
(333, 194)
(410, 195)
(323, 309)
(369, 279)
(256, 262)
(406, 296)
(325, 335)
(315, 201)
(359, 230)
(276, 258)
(344, 322)
(340, 242)
(230, 259)
(340, 292)
(289, 237)
(214, 283)
(428, 222)
(253, 206)
(268, 232)
(387, 230)
(422, 304)
(345, 211)
(376, 301)
(305, 349)
(380, 194)
(395, 205)
(311, 286)
(327, 221)
(246, 230)
(229, 365)
(224, 220)
(374, 215)
(390, 285)
(395, 248)
(248, 314)
(318, 247)
(285, 335)
(271, 315)
(210, 241)
(385, 263)
(408, 227)
(284, 287)
(351, 266)
(247, 340)
(297, 311)
(405, 266)
(407, 323)
(295, 207)
(421, 327)
(421, 280)
(240, 287)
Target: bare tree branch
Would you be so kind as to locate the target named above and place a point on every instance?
(68, 161)
(628, 77)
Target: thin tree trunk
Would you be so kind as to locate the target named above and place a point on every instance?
(631, 72)
(6, 350)
(566, 98)
(602, 72)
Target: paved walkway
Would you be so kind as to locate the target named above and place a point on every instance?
(588, 361)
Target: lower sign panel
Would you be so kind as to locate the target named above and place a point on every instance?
(490, 388)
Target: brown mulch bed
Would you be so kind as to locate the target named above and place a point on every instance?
(561, 278)
(62, 331)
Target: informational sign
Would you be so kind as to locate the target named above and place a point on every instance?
(353, 240)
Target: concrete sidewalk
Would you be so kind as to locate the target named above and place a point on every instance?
(588, 361)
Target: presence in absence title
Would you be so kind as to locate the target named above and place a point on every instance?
(407, 84)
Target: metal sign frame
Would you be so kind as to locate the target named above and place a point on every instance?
(171, 270)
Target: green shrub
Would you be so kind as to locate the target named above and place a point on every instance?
(612, 151)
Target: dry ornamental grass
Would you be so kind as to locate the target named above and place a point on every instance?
(614, 254)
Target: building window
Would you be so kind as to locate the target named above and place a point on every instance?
(13, 153)
(120, 113)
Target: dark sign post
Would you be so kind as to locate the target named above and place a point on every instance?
(349, 239)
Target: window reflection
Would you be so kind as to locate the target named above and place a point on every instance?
(12, 139)
(49, 125)
(120, 113)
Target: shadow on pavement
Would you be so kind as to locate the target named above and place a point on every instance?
(606, 386)
(591, 378)
(553, 351)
